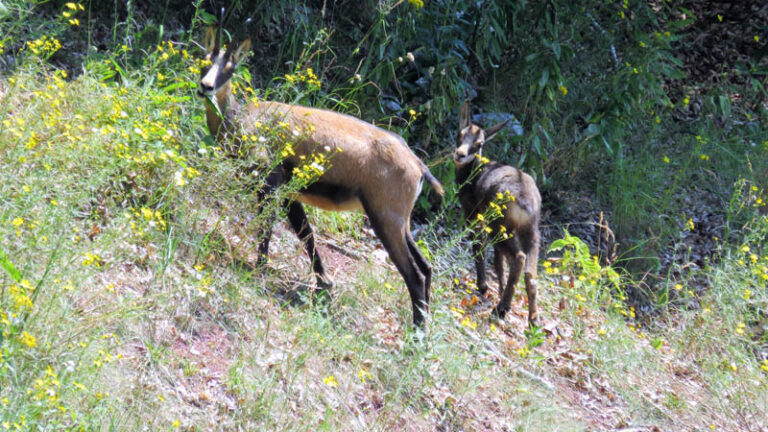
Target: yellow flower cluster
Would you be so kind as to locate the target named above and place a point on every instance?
(495, 211)
(198, 65)
(44, 47)
(330, 381)
(306, 76)
(468, 323)
(92, 260)
(311, 168)
(364, 375)
(483, 160)
(757, 266)
(19, 299)
(143, 219)
(70, 11)
(17, 303)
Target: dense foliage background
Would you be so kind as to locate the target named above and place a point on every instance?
(618, 102)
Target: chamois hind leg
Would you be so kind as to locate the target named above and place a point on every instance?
(424, 267)
(391, 230)
(300, 225)
(498, 264)
(531, 262)
(516, 261)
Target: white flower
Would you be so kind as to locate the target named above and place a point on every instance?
(178, 179)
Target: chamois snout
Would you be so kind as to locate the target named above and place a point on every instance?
(204, 90)
(460, 153)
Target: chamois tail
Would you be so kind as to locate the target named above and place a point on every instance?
(432, 181)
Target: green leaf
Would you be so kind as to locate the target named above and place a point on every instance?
(657, 343)
(9, 268)
(544, 78)
(556, 49)
(536, 144)
(592, 130)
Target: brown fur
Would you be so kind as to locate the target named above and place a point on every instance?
(369, 168)
(479, 184)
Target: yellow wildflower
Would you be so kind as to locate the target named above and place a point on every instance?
(468, 323)
(28, 339)
(363, 374)
(330, 381)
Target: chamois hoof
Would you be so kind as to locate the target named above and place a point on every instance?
(535, 322)
(324, 283)
(498, 313)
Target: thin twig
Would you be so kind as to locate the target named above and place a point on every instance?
(339, 248)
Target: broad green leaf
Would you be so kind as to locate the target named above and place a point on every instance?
(9, 268)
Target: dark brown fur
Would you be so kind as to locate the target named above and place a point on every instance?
(479, 185)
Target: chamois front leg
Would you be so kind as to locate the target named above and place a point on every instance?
(300, 225)
(478, 251)
(273, 180)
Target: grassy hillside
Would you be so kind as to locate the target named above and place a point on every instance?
(130, 299)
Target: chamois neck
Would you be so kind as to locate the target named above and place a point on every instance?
(465, 172)
(220, 114)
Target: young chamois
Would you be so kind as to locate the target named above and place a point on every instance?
(370, 169)
(516, 199)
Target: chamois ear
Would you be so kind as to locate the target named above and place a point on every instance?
(210, 39)
(464, 115)
(241, 50)
(493, 130)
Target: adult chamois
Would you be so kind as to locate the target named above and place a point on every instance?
(370, 169)
(487, 187)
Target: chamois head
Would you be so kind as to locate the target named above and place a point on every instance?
(472, 137)
(221, 63)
